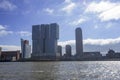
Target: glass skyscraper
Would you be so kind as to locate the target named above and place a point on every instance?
(44, 40)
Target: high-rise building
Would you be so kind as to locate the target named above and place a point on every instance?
(44, 40)
(25, 49)
(68, 50)
(59, 50)
(79, 42)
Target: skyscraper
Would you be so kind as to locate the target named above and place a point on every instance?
(44, 40)
(25, 49)
(60, 50)
(68, 50)
(79, 42)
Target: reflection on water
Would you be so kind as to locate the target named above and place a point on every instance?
(74, 70)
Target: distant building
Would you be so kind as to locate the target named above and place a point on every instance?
(68, 51)
(92, 55)
(117, 55)
(44, 41)
(25, 49)
(59, 49)
(10, 55)
(112, 54)
(0, 51)
(79, 42)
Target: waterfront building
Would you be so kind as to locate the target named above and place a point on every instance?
(25, 49)
(10, 55)
(112, 54)
(44, 41)
(79, 42)
(59, 49)
(68, 51)
(92, 55)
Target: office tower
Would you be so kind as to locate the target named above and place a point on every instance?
(59, 49)
(68, 50)
(44, 40)
(25, 49)
(79, 42)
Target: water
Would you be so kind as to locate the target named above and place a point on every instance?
(73, 70)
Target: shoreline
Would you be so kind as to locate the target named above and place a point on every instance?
(23, 60)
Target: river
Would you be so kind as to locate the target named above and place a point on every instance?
(60, 70)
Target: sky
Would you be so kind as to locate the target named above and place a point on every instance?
(98, 19)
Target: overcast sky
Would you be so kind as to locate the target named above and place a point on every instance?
(99, 20)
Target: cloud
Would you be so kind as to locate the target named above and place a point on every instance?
(3, 31)
(113, 14)
(102, 42)
(7, 5)
(25, 33)
(2, 27)
(106, 10)
(101, 45)
(64, 43)
(77, 22)
(69, 6)
(99, 7)
(10, 47)
(108, 25)
(48, 10)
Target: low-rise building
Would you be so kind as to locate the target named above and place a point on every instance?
(112, 54)
(92, 55)
(10, 55)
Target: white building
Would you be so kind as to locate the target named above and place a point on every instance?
(25, 49)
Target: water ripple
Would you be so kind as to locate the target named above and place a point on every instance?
(74, 70)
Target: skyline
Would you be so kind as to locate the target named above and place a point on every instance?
(100, 26)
